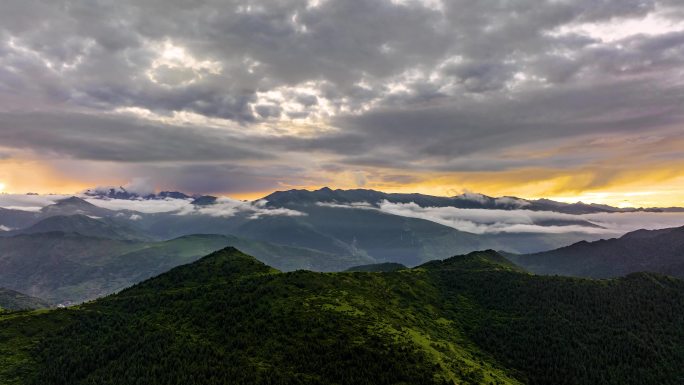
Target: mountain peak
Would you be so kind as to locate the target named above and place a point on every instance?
(224, 265)
(123, 193)
(204, 200)
(477, 260)
(74, 205)
(74, 201)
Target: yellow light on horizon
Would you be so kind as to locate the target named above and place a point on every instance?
(2, 187)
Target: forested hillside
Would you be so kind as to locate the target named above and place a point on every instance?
(474, 319)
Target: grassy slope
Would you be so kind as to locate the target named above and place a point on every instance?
(470, 319)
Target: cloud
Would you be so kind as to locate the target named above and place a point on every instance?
(360, 179)
(492, 221)
(484, 221)
(625, 222)
(227, 207)
(142, 205)
(119, 139)
(223, 207)
(501, 201)
(239, 89)
(352, 205)
(140, 186)
(28, 202)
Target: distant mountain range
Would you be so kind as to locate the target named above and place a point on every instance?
(123, 193)
(74, 250)
(371, 234)
(466, 201)
(659, 251)
(469, 319)
(373, 197)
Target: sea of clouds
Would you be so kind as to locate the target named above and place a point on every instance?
(223, 207)
(478, 221)
(484, 221)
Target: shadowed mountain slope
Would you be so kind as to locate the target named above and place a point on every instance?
(70, 267)
(660, 251)
(13, 300)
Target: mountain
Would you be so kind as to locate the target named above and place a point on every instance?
(11, 219)
(327, 195)
(465, 201)
(346, 223)
(660, 251)
(123, 193)
(377, 267)
(84, 225)
(368, 233)
(477, 260)
(13, 300)
(73, 206)
(204, 200)
(383, 236)
(72, 268)
(473, 319)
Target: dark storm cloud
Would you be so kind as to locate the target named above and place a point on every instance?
(423, 85)
(119, 139)
(216, 178)
(445, 131)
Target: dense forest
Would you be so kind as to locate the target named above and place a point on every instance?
(473, 319)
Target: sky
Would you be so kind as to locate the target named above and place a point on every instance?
(569, 100)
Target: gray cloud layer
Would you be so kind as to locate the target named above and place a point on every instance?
(173, 87)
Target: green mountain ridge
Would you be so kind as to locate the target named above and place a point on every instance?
(475, 319)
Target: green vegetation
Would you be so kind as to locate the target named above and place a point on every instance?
(473, 319)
